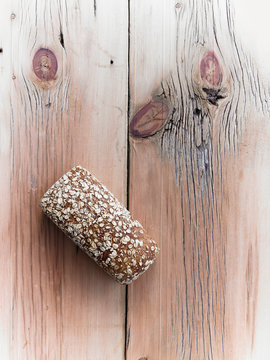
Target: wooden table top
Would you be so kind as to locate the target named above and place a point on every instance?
(167, 106)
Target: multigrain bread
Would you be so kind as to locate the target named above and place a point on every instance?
(102, 227)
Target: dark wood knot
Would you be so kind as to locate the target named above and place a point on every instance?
(45, 64)
(149, 119)
(211, 70)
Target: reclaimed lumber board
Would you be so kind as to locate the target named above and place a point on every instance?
(199, 181)
(198, 176)
(62, 106)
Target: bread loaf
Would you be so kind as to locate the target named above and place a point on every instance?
(103, 228)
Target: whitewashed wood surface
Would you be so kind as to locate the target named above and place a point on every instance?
(55, 303)
(196, 175)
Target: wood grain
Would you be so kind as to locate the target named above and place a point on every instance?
(55, 303)
(198, 176)
(198, 185)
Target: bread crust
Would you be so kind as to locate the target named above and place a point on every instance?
(85, 210)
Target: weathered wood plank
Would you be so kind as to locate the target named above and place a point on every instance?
(55, 302)
(199, 184)
(5, 253)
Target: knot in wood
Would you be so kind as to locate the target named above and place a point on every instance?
(149, 119)
(45, 64)
(211, 70)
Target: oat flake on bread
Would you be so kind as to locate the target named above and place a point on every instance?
(100, 225)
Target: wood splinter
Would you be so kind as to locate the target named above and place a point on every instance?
(103, 228)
